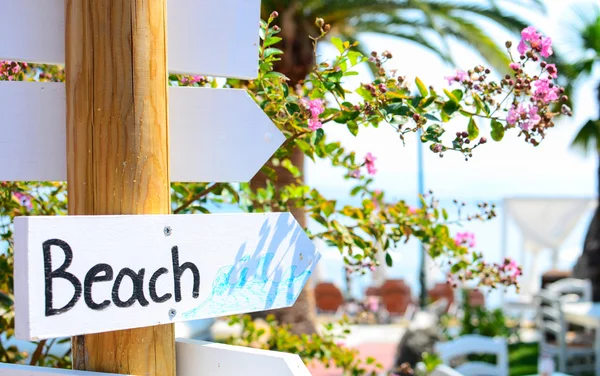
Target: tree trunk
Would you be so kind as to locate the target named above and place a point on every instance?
(302, 315)
(588, 264)
(297, 61)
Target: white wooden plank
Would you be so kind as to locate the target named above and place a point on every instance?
(196, 358)
(19, 370)
(205, 37)
(216, 135)
(243, 262)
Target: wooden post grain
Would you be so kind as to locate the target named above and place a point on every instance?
(117, 145)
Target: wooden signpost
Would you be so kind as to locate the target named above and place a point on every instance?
(89, 274)
(205, 358)
(203, 128)
(120, 270)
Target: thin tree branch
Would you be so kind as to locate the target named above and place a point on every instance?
(197, 196)
(35, 358)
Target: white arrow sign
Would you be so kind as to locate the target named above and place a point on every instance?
(216, 135)
(19, 370)
(205, 358)
(87, 274)
(204, 36)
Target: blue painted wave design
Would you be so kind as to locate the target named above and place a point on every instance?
(250, 293)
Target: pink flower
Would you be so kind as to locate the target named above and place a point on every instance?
(355, 174)
(530, 34)
(370, 163)
(412, 210)
(314, 124)
(515, 66)
(522, 47)
(24, 199)
(315, 106)
(465, 238)
(552, 71)
(546, 48)
(543, 45)
(526, 116)
(511, 267)
(545, 90)
(460, 77)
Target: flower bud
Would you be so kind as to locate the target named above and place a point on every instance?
(326, 28)
(275, 14)
(319, 22)
(416, 117)
(508, 44)
(276, 28)
(482, 140)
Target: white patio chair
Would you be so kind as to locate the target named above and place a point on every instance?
(475, 344)
(557, 342)
(566, 288)
(444, 370)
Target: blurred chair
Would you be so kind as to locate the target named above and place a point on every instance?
(566, 288)
(475, 344)
(396, 296)
(444, 370)
(559, 343)
(445, 292)
(373, 291)
(328, 297)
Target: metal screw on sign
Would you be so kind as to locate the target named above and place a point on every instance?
(172, 313)
(168, 230)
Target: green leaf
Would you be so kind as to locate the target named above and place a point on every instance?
(450, 107)
(421, 86)
(319, 134)
(451, 95)
(366, 94)
(473, 130)
(497, 130)
(388, 260)
(431, 117)
(353, 127)
(458, 94)
(356, 57)
(272, 51)
(276, 75)
(272, 41)
(337, 42)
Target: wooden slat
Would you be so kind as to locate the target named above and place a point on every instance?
(20, 370)
(216, 135)
(206, 37)
(245, 263)
(196, 358)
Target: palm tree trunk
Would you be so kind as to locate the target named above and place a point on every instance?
(302, 315)
(588, 264)
(297, 61)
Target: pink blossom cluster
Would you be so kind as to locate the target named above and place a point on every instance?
(542, 88)
(370, 164)
(511, 268)
(8, 69)
(460, 77)
(525, 115)
(191, 80)
(532, 40)
(316, 108)
(465, 238)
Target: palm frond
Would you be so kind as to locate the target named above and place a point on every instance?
(588, 137)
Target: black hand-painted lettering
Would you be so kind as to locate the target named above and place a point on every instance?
(61, 272)
(153, 295)
(91, 277)
(178, 271)
(138, 288)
